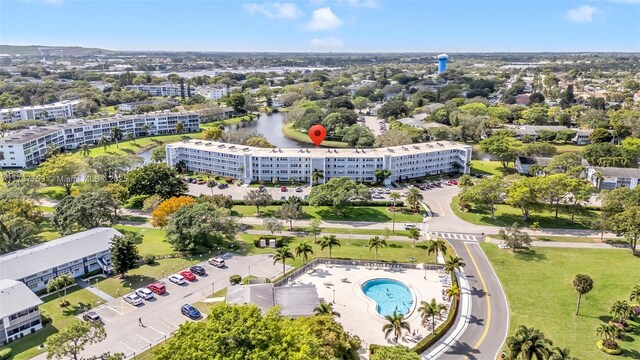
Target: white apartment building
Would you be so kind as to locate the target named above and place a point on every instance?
(160, 89)
(62, 109)
(19, 313)
(252, 164)
(27, 148)
(212, 92)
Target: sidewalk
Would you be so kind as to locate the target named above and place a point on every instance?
(101, 294)
(574, 245)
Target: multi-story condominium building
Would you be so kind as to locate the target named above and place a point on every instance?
(19, 313)
(252, 164)
(27, 148)
(62, 109)
(160, 89)
(212, 92)
(76, 254)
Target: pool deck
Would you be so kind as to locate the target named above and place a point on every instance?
(358, 313)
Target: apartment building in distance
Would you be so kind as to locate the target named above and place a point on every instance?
(212, 91)
(160, 89)
(27, 148)
(61, 109)
(19, 313)
(253, 164)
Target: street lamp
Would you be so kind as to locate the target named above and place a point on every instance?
(249, 270)
(213, 288)
(334, 296)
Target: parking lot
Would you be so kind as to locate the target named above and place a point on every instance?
(238, 192)
(161, 316)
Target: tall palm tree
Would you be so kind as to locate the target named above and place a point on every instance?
(453, 292)
(282, 254)
(437, 246)
(414, 234)
(376, 243)
(394, 196)
(329, 242)
(583, 284)
(317, 175)
(146, 128)
(304, 249)
(104, 142)
(395, 326)
(454, 263)
(413, 198)
(116, 134)
(528, 343)
(558, 353)
(130, 137)
(431, 309)
(61, 282)
(84, 150)
(599, 178)
(179, 127)
(326, 309)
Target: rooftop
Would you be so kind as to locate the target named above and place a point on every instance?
(300, 300)
(38, 107)
(318, 152)
(632, 173)
(15, 297)
(26, 262)
(260, 295)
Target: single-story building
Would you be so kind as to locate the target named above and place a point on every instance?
(524, 163)
(294, 301)
(19, 311)
(76, 254)
(613, 178)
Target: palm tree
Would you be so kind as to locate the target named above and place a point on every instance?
(61, 282)
(454, 263)
(583, 284)
(431, 309)
(558, 353)
(116, 134)
(52, 150)
(621, 311)
(376, 243)
(598, 177)
(104, 142)
(179, 127)
(84, 150)
(130, 137)
(528, 343)
(317, 175)
(635, 294)
(465, 181)
(211, 184)
(282, 254)
(146, 128)
(326, 309)
(329, 241)
(396, 325)
(437, 246)
(453, 292)
(414, 234)
(413, 198)
(304, 249)
(609, 335)
(394, 196)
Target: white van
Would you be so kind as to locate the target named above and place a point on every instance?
(217, 262)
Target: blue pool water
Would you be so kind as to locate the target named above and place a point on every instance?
(390, 295)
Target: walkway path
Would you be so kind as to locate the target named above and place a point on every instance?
(101, 294)
(564, 244)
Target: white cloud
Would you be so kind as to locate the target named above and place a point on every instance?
(274, 10)
(583, 13)
(324, 19)
(371, 4)
(328, 42)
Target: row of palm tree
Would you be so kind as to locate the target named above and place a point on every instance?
(530, 343)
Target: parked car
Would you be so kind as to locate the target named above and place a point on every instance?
(201, 182)
(261, 187)
(298, 189)
(188, 179)
(283, 188)
(222, 186)
(133, 299)
(387, 191)
(188, 275)
(283, 198)
(198, 270)
(217, 262)
(157, 288)
(453, 182)
(176, 279)
(144, 293)
(190, 312)
(91, 316)
(409, 226)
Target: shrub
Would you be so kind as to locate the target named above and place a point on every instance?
(606, 350)
(149, 259)
(235, 279)
(45, 319)
(229, 180)
(5, 353)
(136, 202)
(152, 202)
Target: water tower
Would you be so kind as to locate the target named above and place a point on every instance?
(442, 63)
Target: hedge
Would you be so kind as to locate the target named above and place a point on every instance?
(5, 353)
(235, 279)
(441, 330)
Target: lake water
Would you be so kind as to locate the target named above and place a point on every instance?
(271, 127)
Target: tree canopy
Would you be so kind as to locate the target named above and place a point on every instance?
(154, 179)
(337, 192)
(199, 226)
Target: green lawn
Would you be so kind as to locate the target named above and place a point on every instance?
(292, 133)
(27, 347)
(354, 213)
(489, 168)
(330, 230)
(539, 289)
(506, 215)
(576, 239)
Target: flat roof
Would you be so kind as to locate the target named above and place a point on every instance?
(419, 148)
(15, 297)
(633, 173)
(30, 261)
(260, 295)
(300, 300)
(38, 107)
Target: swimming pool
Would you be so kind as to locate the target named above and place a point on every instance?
(389, 295)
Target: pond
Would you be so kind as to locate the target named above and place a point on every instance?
(271, 127)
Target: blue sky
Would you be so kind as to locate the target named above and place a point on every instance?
(325, 25)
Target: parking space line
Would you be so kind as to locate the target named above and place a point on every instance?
(156, 330)
(143, 338)
(134, 350)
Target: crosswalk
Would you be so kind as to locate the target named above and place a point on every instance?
(456, 236)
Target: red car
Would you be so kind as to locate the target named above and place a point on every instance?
(157, 287)
(188, 275)
(453, 182)
(283, 188)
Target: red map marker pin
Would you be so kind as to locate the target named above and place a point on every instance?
(317, 133)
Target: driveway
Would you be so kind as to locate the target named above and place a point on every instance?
(162, 316)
